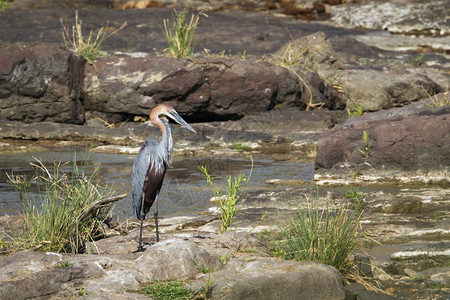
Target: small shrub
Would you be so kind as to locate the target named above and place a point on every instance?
(88, 48)
(57, 220)
(327, 235)
(167, 290)
(180, 35)
(228, 200)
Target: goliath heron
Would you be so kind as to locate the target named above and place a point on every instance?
(150, 166)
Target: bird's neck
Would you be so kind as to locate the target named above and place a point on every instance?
(166, 137)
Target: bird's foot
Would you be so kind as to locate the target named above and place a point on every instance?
(139, 249)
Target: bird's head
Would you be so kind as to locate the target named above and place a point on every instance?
(164, 111)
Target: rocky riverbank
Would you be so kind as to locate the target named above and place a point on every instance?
(391, 69)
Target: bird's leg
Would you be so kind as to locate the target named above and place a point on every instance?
(140, 247)
(155, 215)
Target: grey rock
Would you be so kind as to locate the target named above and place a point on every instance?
(173, 258)
(371, 295)
(395, 16)
(46, 282)
(405, 205)
(374, 90)
(352, 290)
(271, 279)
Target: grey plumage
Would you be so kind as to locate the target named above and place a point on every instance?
(150, 166)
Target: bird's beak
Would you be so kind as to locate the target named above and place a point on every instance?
(176, 117)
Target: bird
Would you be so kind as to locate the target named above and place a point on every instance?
(151, 164)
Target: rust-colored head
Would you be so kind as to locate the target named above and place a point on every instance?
(164, 111)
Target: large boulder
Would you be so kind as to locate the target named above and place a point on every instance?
(407, 138)
(374, 90)
(274, 279)
(314, 60)
(201, 88)
(40, 83)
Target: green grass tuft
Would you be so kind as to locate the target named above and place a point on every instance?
(241, 146)
(355, 111)
(63, 216)
(167, 290)
(323, 234)
(89, 47)
(180, 35)
(3, 5)
(358, 199)
(63, 264)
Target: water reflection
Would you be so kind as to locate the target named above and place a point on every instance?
(183, 192)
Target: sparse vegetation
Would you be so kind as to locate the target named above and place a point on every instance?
(298, 56)
(68, 211)
(367, 146)
(180, 35)
(228, 199)
(3, 5)
(417, 60)
(293, 56)
(89, 47)
(207, 283)
(241, 146)
(224, 259)
(325, 234)
(167, 290)
(357, 198)
(63, 264)
(355, 110)
(203, 268)
(436, 101)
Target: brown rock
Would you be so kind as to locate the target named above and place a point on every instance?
(412, 137)
(207, 89)
(40, 83)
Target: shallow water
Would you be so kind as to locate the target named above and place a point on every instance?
(183, 193)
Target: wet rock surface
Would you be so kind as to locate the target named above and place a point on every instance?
(408, 252)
